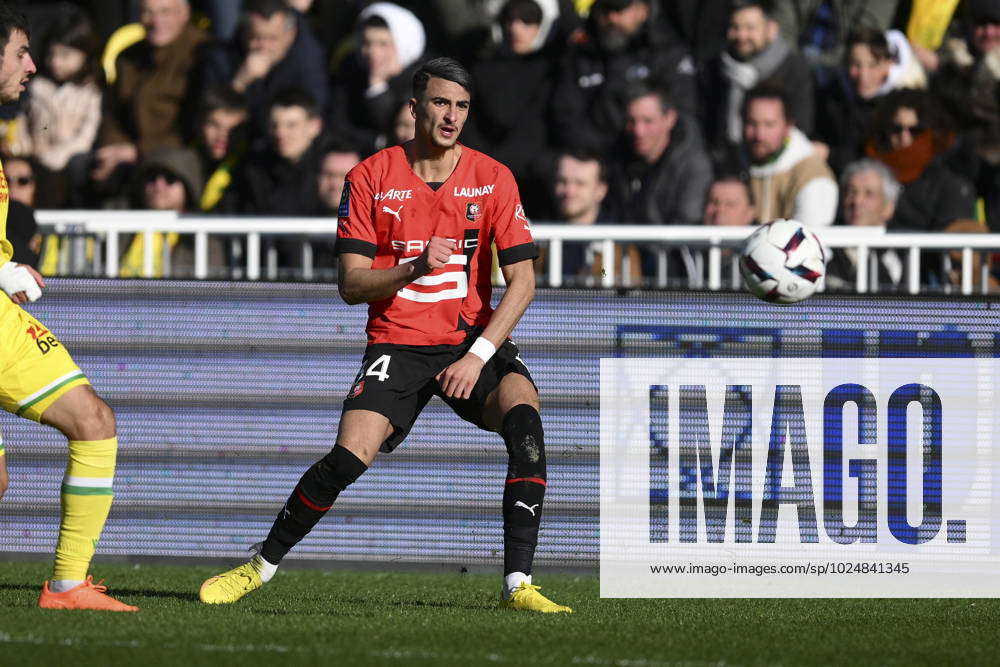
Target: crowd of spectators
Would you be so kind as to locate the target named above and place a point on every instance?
(658, 112)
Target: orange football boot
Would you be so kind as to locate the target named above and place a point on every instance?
(87, 595)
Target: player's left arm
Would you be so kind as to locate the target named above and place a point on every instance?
(458, 380)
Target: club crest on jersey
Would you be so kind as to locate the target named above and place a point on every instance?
(357, 389)
(473, 211)
(345, 201)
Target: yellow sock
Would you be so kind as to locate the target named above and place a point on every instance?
(86, 500)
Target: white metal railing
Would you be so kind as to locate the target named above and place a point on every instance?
(106, 227)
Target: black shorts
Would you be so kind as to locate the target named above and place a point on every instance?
(398, 380)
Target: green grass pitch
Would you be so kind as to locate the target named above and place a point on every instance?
(309, 617)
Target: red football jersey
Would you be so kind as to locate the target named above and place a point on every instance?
(389, 214)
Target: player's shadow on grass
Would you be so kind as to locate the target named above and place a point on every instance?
(374, 601)
(186, 597)
(21, 587)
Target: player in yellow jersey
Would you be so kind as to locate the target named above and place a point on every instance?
(40, 381)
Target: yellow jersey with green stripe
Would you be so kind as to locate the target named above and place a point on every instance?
(35, 368)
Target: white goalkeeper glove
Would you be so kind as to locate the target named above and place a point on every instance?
(15, 278)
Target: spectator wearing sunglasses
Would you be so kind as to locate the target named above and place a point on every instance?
(169, 179)
(911, 136)
(22, 229)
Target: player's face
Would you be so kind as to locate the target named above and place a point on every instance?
(15, 68)
(728, 205)
(864, 201)
(164, 20)
(765, 128)
(217, 128)
(866, 72)
(649, 127)
(579, 189)
(441, 112)
(332, 172)
(750, 32)
(292, 131)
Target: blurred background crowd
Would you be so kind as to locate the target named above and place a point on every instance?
(659, 112)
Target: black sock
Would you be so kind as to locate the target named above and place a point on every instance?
(310, 500)
(524, 490)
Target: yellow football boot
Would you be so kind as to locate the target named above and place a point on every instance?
(229, 587)
(527, 598)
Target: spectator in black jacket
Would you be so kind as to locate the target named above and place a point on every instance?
(374, 79)
(280, 178)
(276, 51)
(625, 42)
(661, 176)
(757, 54)
(511, 99)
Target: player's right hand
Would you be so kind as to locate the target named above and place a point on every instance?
(435, 255)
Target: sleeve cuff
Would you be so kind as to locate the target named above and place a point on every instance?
(355, 247)
(517, 253)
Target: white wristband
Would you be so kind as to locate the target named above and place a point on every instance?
(15, 278)
(483, 349)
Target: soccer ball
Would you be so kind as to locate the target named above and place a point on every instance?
(782, 262)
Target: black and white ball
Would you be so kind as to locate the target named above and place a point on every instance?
(782, 262)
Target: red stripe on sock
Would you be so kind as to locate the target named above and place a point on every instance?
(309, 504)
(536, 480)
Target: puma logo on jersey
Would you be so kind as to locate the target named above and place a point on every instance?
(474, 192)
(395, 214)
(394, 195)
(529, 508)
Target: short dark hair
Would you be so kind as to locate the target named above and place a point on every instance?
(874, 39)
(266, 8)
(448, 69)
(769, 91)
(11, 20)
(339, 145)
(640, 90)
(374, 21)
(296, 97)
(526, 11)
(581, 154)
(218, 98)
(735, 179)
(765, 6)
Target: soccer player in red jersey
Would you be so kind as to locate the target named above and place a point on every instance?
(416, 226)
